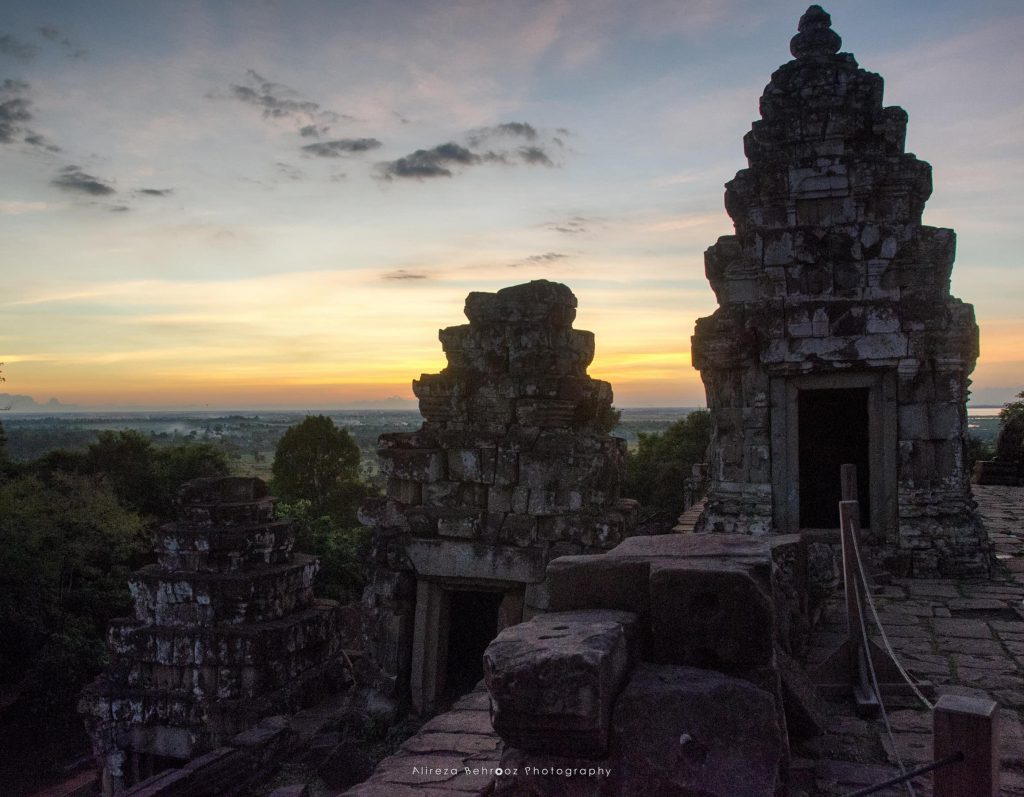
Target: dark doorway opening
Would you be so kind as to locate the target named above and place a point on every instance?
(473, 624)
(833, 430)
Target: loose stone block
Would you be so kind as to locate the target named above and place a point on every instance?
(680, 730)
(711, 613)
(553, 680)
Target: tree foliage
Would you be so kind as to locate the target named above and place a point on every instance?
(658, 467)
(315, 461)
(1010, 443)
(68, 548)
(343, 552)
(143, 477)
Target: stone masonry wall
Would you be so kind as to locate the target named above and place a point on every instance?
(226, 631)
(830, 271)
(512, 466)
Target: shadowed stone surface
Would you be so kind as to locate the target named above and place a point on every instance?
(553, 680)
(226, 631)
(683, 731)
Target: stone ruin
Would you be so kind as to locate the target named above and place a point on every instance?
(836, 338)
(512, 467)
(226, 631)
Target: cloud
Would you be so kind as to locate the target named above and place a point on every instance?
(16, 113)
(288, 172)
(433, 162)
(575, 225)
(535, 156)
(74, 180)
(14, 110)
(156, 192)
(278, 101)
(403, 274)
(55, 35)
(16, 48)
(341, 146)
(504, 130)
(533, 260)
(439, 161)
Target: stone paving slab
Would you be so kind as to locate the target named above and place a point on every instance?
(965, 636)
(453, 755)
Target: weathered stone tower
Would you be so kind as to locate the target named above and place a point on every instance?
(226, 631)
(512, 467)
(836, 339)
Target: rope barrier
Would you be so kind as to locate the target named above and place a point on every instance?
(885, 639)
(866, 655)
(924, 769)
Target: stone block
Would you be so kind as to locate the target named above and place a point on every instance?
(599, 582)
(679, 730)
(713, 613)
(553, 680)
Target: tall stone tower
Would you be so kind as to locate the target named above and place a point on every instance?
(512, 467)
(836, 338)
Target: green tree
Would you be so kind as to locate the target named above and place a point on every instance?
(316, 461)
(660, 464)
(1010, 443)
(343, 552)
(145, 478)
(67, 545)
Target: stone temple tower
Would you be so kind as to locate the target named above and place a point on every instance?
(836, 338)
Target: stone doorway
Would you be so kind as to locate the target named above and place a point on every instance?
(833, 429)
(473, 624)
(455, 621)
(860, 405)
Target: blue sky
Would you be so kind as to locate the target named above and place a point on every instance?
(221, 203)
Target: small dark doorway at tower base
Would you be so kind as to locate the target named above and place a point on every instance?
(833, 430)
(473, 624)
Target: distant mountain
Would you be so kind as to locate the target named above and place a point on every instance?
(13, 403)
(389, 403)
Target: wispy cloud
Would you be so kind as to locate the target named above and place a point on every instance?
(278, 101)
(16, 48)
(57, 36)
(404, 274)
(15, 115)
(575, 225)
(434, 162)
(445, 160)
(340, 147)
(534, 260)
(74, 180)
(155, 192)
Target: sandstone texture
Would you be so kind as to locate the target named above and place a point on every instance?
(553, 680)
(226, 631)
(831, 281)
(512, 467)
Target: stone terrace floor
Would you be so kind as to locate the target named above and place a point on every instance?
(965, 636)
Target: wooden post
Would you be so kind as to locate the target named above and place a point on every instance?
(846, 669)
(967, 725)
(848, 485)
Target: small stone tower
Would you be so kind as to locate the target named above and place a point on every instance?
(226, 631)
(512, 467)
(836, 339)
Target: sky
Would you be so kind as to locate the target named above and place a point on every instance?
(254, 204)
